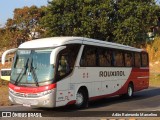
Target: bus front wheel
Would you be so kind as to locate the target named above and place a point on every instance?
(81, 99)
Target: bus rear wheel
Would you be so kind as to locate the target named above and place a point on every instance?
(130, 91)
(81, 99)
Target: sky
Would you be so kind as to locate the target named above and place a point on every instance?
(7, 7)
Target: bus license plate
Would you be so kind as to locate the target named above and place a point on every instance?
(27, 105)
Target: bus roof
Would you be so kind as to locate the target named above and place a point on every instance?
(58, 41)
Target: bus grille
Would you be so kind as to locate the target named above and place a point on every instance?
(24, 94)
(30, 95)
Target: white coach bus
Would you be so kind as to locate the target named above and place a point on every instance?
(58, 71)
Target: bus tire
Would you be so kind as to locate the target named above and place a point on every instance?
(130, 91)
(81, 99)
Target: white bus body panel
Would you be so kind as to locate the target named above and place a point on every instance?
(97, 85)
(89, 77)
(62, 92)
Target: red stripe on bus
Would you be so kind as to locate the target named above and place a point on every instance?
(140, 70)
(71, 102)
(31, 89)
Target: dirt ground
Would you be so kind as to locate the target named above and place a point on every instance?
(4, 101)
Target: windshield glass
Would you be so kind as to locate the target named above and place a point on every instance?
(31, 66)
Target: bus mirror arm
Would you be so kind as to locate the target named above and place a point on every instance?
(7, 52)
(54, 54)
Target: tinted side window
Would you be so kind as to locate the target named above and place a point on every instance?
(144, 60)
(88, 58)
(128, 59)
(105, 57)
(118, 58)
(137, 60)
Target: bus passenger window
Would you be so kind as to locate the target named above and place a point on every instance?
(104, 58)
(137, 60)
(144, 60)
(118, 59)
(88, 57)
(128, 60)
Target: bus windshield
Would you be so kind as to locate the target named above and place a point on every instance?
(32, 67)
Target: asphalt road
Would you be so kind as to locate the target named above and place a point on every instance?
(146, 100)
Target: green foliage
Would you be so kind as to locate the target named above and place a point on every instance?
(77, 18)
(134, 19)
(6, 38)
(26, 20)
(122, 21)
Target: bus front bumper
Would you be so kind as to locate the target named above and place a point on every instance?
(34, 100)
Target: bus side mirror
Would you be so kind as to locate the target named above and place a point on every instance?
(54, 54)
(7, 52)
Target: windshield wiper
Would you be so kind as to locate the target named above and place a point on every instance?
(35, 76)
(23, 71)
(32, 70)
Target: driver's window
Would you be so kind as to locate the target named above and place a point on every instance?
(66, 60)
(63, 67)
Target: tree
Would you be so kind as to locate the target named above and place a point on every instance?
(25, 23)
(86, 18)
(122, 21)
(6, 38)
(134, 19)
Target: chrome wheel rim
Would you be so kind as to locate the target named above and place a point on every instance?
(130, 91)
(79, 99)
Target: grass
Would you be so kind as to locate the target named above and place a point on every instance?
(154, 80)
